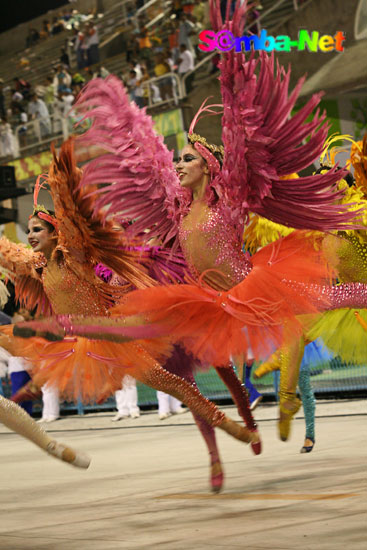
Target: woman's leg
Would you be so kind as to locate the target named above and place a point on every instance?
(309, 405)
(182, 363)
(160, 379)
(17, 420)
(289, 404)
(240, 397)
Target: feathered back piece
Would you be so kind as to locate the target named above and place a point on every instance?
(38, 209)
(142, 181)
(264, 141)
(82, 235)
(358, 159)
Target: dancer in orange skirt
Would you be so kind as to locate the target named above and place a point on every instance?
(59, 276)
(232, 303)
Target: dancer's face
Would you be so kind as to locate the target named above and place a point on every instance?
(41, 237)
(192, 169)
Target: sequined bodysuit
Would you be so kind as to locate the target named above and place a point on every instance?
(68, 293)
(209, 243)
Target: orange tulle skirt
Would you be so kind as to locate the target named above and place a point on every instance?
(83, 369)
(261, 313)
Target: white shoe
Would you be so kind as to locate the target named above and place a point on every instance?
(255, 403)
(180, 410)
(51, 418)
(135, 415)
(48, 419)
(119, 417)
(163, 416)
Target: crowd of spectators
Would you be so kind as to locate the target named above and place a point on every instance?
(166, 54)
(65, 21)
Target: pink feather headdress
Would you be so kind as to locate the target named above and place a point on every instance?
(205, 149)
(40, 210)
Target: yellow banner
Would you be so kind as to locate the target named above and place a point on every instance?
(30, 167)
(169, 124)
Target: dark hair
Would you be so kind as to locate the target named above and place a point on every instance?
(218, 155)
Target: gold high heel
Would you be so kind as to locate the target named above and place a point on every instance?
(288, 407)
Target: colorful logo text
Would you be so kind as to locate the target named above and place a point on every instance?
(224, 41)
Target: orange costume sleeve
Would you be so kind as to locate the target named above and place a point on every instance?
(24, 268)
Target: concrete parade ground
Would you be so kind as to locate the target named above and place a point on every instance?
(147, 486)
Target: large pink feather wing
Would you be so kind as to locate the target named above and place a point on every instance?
(138, 170)
(263, 141)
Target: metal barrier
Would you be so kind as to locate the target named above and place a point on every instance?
(161, 82)
(41, 132)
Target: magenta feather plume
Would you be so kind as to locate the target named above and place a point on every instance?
(142, 184)
(263, 141)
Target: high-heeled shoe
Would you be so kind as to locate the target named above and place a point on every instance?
(216, 477)
(256, 446)
(29, 392)
(308, 448)
(287, 409)
(67, 454)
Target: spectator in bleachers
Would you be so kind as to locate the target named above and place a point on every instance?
(155, 93)
(57, 26)
(2, 99)
(66, 15)
(37, 110)
(131, 85)
(185, 29)
(46, 29)
(173, 39)
(79, 48)
(6, 139)
(21, 119)
(197, 28)
(23, 87)
(145, 47)
(78, 79)
(16, 99)
(186, 64)
(67, 100)
(64, 58)
(201, 13)
(144, 78)
(101, 72)
(135, 66)
(188, 6)
(62, 78)
(161, 68)
(32, 37)
(92, 43)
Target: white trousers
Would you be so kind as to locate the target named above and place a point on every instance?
(50, 399)
(127, 397)
(167, 403)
